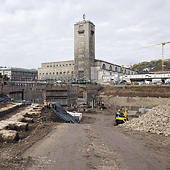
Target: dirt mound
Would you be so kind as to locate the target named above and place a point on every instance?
(155, 121)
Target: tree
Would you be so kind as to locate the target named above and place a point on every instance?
(151, 66)
(5, 77)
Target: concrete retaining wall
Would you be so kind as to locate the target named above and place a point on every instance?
(65, 94)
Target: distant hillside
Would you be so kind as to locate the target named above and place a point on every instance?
(152, 66)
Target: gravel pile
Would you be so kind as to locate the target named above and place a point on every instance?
(155, 121)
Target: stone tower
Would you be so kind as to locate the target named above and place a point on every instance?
(84, 49)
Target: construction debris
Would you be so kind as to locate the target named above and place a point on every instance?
(154, 121)
(17, 126)
(9, 108)
(13, 125)
(18, 122)
(8, 135)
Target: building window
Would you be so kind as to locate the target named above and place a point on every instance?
(110, 68)
(81, 30)
(57, 73)
(47, 66)
(60, 72)
(80, 27)
(115, 69)
(92, 30)
(104, 67)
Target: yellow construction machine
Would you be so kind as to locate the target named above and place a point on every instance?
(121, 116)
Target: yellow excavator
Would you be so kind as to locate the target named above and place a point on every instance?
(121, 116)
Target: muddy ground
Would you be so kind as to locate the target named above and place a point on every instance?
(95, 143)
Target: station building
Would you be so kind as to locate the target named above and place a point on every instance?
(84, 65)
(20, 74)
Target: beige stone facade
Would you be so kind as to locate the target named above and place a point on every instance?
(63, 70)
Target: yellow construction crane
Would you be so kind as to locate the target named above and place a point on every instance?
(162, 52)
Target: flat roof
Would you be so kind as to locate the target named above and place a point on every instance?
(58, 62)
(85, 21)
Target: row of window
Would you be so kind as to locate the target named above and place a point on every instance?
(81, 29)
(22, 78)
(57, 73)
(116, 69)
(110, 68)
(18, 73)
(65, 65)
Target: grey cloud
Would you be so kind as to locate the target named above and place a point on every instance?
(39, 31)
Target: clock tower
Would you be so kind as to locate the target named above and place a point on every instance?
(84, 49)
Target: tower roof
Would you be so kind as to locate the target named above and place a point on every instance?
(83, 22)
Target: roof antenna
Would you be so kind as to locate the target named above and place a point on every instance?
(84, 17)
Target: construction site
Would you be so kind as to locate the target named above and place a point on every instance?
(84, 127)
(86, 113)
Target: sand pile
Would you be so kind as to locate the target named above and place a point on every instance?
(155, 121)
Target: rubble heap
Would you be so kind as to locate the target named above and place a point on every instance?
(154, 121)
(19, 122)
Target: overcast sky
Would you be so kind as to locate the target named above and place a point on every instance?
(37, 31)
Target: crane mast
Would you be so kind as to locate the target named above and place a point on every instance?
(162, 52)
(163, 55)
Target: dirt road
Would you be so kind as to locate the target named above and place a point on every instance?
(97, 144)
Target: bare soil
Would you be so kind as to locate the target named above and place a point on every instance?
(95, 143)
